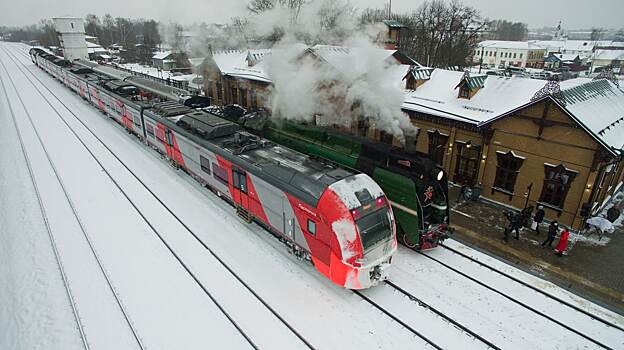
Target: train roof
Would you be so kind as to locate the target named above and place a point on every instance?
(155, 87)
(285, 168)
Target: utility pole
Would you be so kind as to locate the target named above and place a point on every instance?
(390, 9)
(528, 194)
(481, 63)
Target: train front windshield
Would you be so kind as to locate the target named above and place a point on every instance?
(374, 227)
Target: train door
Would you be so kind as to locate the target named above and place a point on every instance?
(239, 182)
(169, 142)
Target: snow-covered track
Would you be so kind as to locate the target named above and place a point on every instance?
(439, 313)
(27, 72)
(423, 320)
(516, 301)
(83, 230)
(397, 319)
(532, 287)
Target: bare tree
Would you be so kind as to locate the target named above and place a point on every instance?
(596, 34)
(506, 30)
(259, 6)
(441, 35)
(92, 24)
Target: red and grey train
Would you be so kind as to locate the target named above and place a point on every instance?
(340, 220)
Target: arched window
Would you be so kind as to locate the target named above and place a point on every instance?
(507, 170)
(437, 145)
(557, 181)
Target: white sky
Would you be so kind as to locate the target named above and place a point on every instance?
(573, 13)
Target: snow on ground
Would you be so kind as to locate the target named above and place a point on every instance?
(327, 315)
(550, 307)
(498, 320)
(35, 310)
(544, 285)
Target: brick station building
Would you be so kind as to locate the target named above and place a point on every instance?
(524, 141)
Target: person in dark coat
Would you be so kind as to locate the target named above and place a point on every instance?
(553, 229)
(516, 224)
(538, 218)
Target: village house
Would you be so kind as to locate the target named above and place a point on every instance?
(237, 77)
(165, 60)
(241, 77)
(520, 140)
(502, 54)
(391, 37)
(559, 60)
(608, 58)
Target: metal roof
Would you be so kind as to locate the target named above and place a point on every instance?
(393, 24)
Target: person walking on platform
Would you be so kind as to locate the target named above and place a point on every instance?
(538, 218)
(552, 233)
(563, 242)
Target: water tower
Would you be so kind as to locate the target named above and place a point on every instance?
(71, 34)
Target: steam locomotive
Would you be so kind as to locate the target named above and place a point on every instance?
(338, 219)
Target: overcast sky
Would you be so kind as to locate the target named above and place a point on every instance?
(536, 13)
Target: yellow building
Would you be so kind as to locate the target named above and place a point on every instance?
(526, 142)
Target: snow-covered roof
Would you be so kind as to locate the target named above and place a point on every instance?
(161, 55)
(503, 44)
(342, 57)
(234, 63)
(608, 55)
(566, 57)
(499, 95)
(598, 105)
(574, 45)
(92, 45)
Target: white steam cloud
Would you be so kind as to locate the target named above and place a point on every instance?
(356, 84)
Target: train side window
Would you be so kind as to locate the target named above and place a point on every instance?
(136, 120)
(149, 129)
(205, 164)
(312, 227)
(219, 173)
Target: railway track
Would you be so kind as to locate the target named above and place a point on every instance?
(517, 301)
(24, 71)
(82, 228)
(422, 304)
(397, 319)
(532, 287)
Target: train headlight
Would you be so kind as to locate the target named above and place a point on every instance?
(440, 175)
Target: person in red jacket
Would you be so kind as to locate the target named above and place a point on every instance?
(563, 242)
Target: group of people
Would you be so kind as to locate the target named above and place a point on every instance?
(523, 219)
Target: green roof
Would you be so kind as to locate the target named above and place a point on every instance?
(393, 24)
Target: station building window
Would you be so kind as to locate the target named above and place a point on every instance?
(437, 146)
(467, 163)
(507, 170)
(557, 182)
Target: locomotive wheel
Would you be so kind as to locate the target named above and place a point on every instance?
(407, 242)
